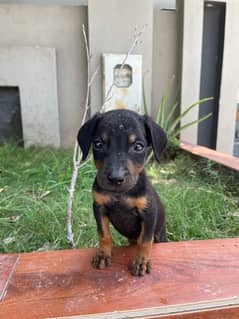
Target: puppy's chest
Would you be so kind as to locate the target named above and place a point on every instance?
(124, 211)
(125, 217)
(119, 203)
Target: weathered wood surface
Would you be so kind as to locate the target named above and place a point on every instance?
(218, 157)
(188, 280)
(7, 267)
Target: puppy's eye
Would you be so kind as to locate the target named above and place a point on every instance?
(138, 147)
(97, 144)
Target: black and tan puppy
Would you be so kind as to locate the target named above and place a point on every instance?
(122, 192)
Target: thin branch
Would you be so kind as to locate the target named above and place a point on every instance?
(94, 75)
(77, 156)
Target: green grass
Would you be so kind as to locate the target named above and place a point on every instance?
(200, 200)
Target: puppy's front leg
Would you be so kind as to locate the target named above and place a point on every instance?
(102, 259)
(142, 262)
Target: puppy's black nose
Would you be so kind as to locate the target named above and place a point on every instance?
(116, 179)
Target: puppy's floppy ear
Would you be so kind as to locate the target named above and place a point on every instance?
(155, 136)
(85, 134)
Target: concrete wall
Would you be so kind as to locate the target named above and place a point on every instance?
(56, 27)
(111, 27)
(165, 56)
(192, 33)
(230, 80)
(164, 4)
(192, 27)
(38, 91)
(59, 27)
(111, 30)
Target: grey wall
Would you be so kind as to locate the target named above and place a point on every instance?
(165, 4)
(165, 56)
(192, 32)
(168, 4)
(111, 29)
(230, 80)
(33, 71)
(49, 2)
(60, 28)
(191, 46)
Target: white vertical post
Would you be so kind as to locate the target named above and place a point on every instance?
(191, 63)
(229, 80)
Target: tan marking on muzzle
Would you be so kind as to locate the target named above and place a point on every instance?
(133, 169)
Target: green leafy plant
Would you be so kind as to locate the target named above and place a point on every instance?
(170, 120)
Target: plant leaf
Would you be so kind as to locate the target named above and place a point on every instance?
(172, 109)
(174, 134)
(144, 99)
(178, 119)
(161, 112)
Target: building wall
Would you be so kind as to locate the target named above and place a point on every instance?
(191, 37)
(60, 27)
(192, 32)
(56, 27)
(33, 71)
(165, 57)
(112, 26)
(230, 80)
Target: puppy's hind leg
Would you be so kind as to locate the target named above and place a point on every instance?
(160, 234)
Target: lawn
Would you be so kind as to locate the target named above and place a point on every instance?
(201, 200)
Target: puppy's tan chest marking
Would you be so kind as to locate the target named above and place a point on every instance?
(101, 199)
(140, 203)
(137, 202)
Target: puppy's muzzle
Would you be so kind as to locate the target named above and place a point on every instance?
(117, 177)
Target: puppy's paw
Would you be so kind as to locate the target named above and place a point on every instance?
(101, 260)
(140, 266)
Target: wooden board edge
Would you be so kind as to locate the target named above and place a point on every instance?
(4, 290)
(220, 158)
(157, 312)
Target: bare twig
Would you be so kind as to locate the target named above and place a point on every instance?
(77, 156)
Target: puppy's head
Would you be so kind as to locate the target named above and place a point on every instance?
(120, 140)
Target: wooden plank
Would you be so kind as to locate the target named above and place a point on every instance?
(7, 267)
(187, 277)
(225, 313)
(181, 311)
(218, 157)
